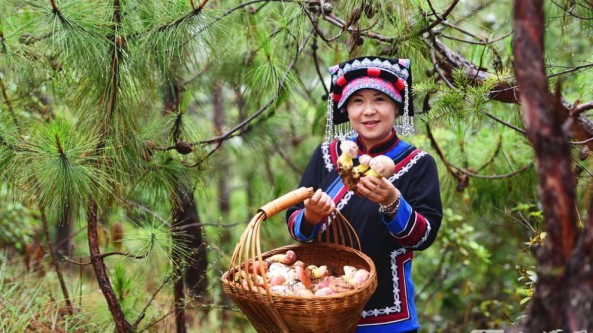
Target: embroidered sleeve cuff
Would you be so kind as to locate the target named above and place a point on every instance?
(401, 219)
(298, 219)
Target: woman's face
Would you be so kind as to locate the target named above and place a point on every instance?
(372, 114)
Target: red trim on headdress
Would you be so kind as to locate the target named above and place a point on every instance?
(336, 97)
(399, 85)
(341, 81)
(374, 71)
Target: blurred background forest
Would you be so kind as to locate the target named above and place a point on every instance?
(138, 138)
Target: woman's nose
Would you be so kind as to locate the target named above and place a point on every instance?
(369, 108)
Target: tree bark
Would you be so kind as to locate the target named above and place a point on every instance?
(189, 219)
(553, 164)
(119, 317)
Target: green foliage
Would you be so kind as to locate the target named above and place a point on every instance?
(479, 290)
(58, 164)
(17, 226)
(27, 303)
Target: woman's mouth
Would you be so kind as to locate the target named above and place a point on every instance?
(370, 123)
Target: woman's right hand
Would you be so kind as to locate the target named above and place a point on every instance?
(319, 206)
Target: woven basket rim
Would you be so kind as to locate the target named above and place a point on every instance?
(278, 297)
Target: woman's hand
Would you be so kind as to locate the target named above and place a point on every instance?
(318, 207)
(378, 190)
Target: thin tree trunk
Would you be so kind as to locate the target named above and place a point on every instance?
(222, 163)
(171, 104)
(179, 240)
(192, 270)
(553, 163)
(119, 318)
(55, 263)
(189, 220)
(223, 175)
(63, 234)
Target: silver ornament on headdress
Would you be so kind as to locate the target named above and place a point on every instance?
(341, 131)
(404, 124)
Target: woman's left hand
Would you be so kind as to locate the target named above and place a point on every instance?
(378, 190)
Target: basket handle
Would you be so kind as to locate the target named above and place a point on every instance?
(289, 199)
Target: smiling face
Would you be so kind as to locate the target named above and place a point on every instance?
(372, 114)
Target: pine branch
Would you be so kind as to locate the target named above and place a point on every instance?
(508, 175)
(221, 138)
(505, 91)
(154, 294)
(494, 155)
(115, 253)
(580, 108)
(179, 21)
(315, 22)
(440, 18)
(131, 203)
(491, 116)
(480, 41)
(462, 180)
(572, 70)
(9, 106)
(58, 13)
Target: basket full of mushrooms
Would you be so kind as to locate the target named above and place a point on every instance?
(320, 286)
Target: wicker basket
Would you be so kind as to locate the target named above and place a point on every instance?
(273, 312)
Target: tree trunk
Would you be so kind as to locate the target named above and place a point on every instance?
(187, 233)
(186, 227)
(189, 221)
(101, 271)
(178, 285)
(55, 263)
(64, 234)
(553, 163)
(222, 163)
(222, 184)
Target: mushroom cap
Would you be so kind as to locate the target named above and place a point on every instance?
(349, 147)
(365, 159)
(383, 165)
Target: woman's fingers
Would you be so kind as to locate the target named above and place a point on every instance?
(375, 189)
(328, 204)
(319, 205)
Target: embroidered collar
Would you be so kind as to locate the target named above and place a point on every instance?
(380, 148)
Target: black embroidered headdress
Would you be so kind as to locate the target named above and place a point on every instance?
(392, 77)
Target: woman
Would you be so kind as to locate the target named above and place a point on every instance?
(392, 217)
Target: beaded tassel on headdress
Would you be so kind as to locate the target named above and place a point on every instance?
(404, 124)
(329, 123)
(341, 131)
